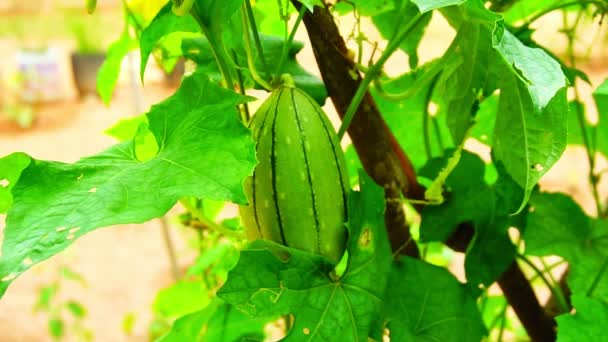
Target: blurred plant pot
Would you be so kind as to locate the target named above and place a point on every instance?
(84, 68)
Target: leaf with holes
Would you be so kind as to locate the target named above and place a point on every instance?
(204, 151)
(270, 279)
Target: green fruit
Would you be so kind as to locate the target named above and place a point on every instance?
(297, 194)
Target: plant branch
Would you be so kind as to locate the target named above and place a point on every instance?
(376, 146)
(373, 72)
(389, 166)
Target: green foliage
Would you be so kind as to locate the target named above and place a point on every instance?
(583, 324)
(558, 226)
(487, 207)
(494, 83)
(271, 279)
(99, 196)
(218, 322)
(419, 314)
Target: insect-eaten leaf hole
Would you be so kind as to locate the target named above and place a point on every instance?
(365, 238)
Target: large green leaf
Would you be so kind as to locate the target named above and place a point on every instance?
(204, 151)
(531, 123)
(587, 323)
(426, 303)
(270, 279)
(556, 225)
(11, 167)
(529, 141)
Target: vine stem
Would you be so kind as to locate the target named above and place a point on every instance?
(289, 41)
(250, 62)
(373, 72)
(256, 35)
(598, 3)
(589, 148)
(555, 290)
(245, 115)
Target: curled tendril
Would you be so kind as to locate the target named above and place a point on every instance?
(182, 7)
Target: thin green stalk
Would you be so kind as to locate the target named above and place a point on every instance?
(598, 3)
(256, 36)
(208, 223)
(373, 72)
(598, 277)
(498, 317)
(250, 62)
(245, 116)
(589, 149)
(427, 78)
(427, 117)
(555, 289)
(547, 269)
(288, 43)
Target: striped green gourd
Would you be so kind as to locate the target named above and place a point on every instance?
(297, 193)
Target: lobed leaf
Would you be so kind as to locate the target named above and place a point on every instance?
(435, 307)
(204, 151)
(270, 279)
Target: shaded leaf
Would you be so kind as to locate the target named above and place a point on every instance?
(486, 207)
(556, 225)
(587, 323)
(436, 308)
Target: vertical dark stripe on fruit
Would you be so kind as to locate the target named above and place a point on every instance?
(273, 166)
(333, 150)
(308, 176)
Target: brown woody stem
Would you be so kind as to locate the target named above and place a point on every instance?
(385, 161)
